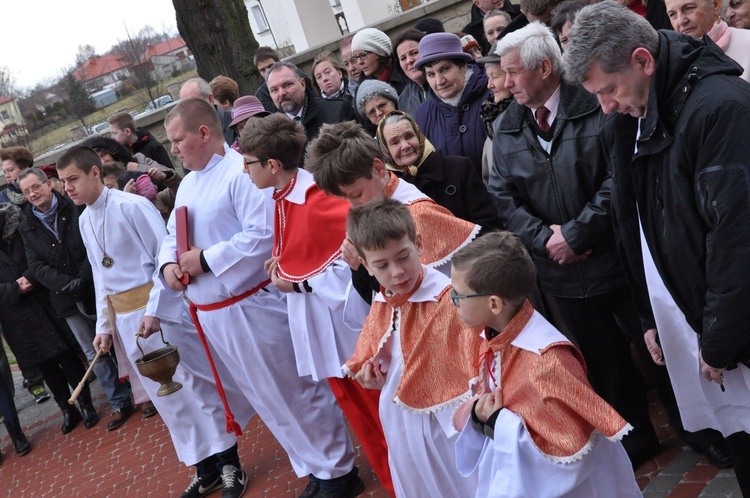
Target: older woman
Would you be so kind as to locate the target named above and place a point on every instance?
(375, 99)
(330, 77)
(406, 51)
(450, 115)
(701, 17)
(451, 181)
(494, 107)
(738, 14)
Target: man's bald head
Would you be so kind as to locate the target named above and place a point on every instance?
(197, 88)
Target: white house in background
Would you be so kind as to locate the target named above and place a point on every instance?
(12, 124)
(166, 57)
(302, 24)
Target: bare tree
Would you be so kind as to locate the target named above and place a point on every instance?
(218, 34)
(8, 86)
(85, 52)
(134, 48)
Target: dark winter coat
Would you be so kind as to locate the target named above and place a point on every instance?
(411, 98)
(457, 131)
(569, 187)
(225, 118)
(691, 180)
(56, 263)
(29, 325)
(320, 111)
(265, 98)
(453, 182)
(147, 145)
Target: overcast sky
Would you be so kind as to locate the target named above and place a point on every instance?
(39, 38)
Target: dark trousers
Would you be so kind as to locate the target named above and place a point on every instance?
(211, 467)
(65, 369)
(739, 448)
(594, 325)
(7, 407)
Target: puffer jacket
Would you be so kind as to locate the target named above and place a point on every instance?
(55, 263)
(690, 178)
(569, 187)
(29, 326)
(457, 131)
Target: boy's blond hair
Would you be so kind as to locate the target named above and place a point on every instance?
(498, 264)
(372, 225)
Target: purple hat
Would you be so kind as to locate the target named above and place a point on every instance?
(246, 107)
(438, 46)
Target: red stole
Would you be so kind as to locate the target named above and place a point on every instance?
(308, 236)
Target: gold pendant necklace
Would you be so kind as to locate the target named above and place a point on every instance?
(107, 262)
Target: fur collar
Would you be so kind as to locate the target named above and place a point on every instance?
(10, 218)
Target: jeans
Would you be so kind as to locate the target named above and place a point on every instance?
(105, 369)
(7, 407)
(5, 373)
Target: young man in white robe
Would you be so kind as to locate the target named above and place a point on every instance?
(243, 316)
(122, 233)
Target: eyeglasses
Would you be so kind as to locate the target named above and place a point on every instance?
(456, 298)
(33, 189)
(248, 163)
(361, 57)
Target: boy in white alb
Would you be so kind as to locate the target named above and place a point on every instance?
(122, 233)
(243, 316)
(415, 349)
(309, 229)
(538, 428)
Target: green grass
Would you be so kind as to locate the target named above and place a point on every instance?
(137, 101)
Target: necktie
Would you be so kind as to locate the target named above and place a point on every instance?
(541, 118)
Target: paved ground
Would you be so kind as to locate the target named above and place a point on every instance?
(138, 460)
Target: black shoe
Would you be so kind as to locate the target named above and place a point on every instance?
(347, 486)
(148, 410)
(119, 417)
(233, 482)
(717, 453)
(71, 418)
(90, 418)
(20, 443)
(311, 489)
(199, 487)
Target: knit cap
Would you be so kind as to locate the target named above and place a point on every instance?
(468, 42)
(372, 40)
(374, 88)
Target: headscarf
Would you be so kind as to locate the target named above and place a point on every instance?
(425, 145)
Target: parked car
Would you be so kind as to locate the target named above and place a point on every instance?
(100, 128)
(159, 102)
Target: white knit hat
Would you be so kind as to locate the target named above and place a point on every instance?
(372, 40)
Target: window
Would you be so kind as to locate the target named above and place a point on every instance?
(260, 18)
(4, 116)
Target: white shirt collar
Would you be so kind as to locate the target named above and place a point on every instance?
(433, 283)
(553, 104)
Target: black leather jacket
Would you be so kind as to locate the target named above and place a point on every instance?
(569, 187)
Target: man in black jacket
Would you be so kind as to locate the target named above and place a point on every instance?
(293, 96)
(550, 184)
(122, 128)
(681, 182)
(57, 259)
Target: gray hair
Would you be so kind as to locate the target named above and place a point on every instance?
(535, 43)
(280, 64)
(203, 87)
(606, 33)
(41, 175)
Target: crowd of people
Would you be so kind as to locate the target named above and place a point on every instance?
(453, 241)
